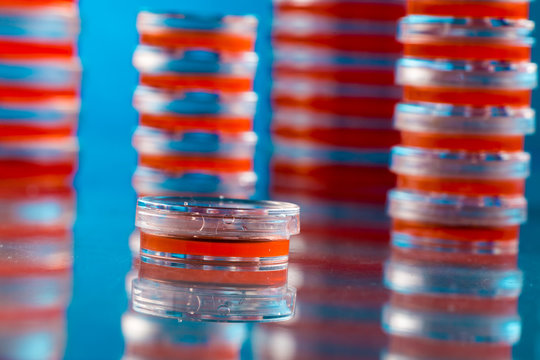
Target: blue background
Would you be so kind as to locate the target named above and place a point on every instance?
(106, 201)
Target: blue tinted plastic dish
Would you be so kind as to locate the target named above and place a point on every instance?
(177, 21)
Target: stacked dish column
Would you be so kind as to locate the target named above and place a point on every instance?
(39, 107)
(196, 105)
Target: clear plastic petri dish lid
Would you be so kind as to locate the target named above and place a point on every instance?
(151, 141)
(153, 59)
(39, 113)
(152, 182)
(444, 279)
(217, 218)
(43, 74)
(173, 21)
(460, 164)
(466, 74)
(451, 327)
(454, 119)
(305, 56)
(426, 29)
(185, 302)
(457, 210)
(44, 23)
(301, 24)
(40, 151)
(151, 100)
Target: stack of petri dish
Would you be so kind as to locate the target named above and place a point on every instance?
(461, 168)
(39, 106)
(333, 102)
(196, 105)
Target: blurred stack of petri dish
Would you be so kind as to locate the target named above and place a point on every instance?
(39, 107)
(333, 101)
(467, 80)
(196, 105)
(444, 305)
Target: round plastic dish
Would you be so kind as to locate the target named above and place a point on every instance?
(34, 212)
(333, 65)
(441, 250)
(331, 173)
(451, 327)
(475, 174)
(513, 9)
(432, 37)
(46, 251)
(446, 280)
(221, 304)
(151, 337)
(387, 10)
(325, 129)
(42, 33)
(174, 30)
(444, 126)
(467, 83)
(216, 229)
(370, 101)
(181, 151)
(49, 119)
(298, 28)
(152, 182)
(195, 69)
(38, 162)
(456, 210)
(37, 81)
(187, 110)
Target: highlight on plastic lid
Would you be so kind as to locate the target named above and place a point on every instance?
(460, 164)
(466, 38)
(217, 218)
(467, 74)
(451, 327)
(42, 151)
(196, 61)
(226, 32)
(188, 106)
(464, 120)
(206, 143)
(457, 210)
(447, 280)
(226, 304)
(153, 182)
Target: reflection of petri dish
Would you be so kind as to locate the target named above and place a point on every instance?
(387, 10)
(458, 172)
(457, 210)
(152, 182)
(466, 39)
(195, 69)
(156, 338)
(218, 303)
(195, 150)
(43, 32)
(203, 111)
(442, 126)
(216, 32)
(504, 329)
